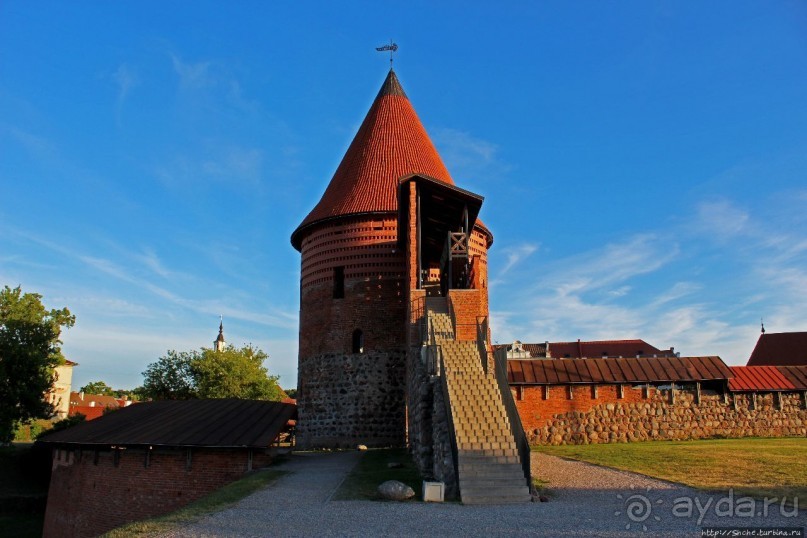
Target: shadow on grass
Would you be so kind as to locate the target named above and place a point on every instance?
(373, 469)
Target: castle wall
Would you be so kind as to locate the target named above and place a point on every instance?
(607, 418)
(93, 492)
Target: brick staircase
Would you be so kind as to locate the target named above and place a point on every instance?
(489, 469)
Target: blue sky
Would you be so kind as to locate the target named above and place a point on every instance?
(644, 163)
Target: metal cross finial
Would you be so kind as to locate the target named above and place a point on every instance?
(392, 48)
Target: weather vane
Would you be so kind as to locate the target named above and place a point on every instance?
(392, 48)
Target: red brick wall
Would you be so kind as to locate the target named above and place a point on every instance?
(536, 412)
(87, 498)
(374, 269)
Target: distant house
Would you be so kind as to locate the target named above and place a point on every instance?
(153, 458)
(592, 349)
(59, 396)
(780, 349)
(93, 406)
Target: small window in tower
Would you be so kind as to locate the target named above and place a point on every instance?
(358, 341)
(338, 282)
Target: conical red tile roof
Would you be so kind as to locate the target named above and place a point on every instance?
(391, 143)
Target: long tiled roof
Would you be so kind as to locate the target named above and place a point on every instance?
(768, 378)
(780, 349)
(391, 143)
(184, 423)
(633, 370)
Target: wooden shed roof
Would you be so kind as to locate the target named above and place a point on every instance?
(184, 423)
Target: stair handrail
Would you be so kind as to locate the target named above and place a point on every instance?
(452, 434)
(482, 341)
(516, 427)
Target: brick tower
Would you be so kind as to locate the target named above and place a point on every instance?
(394, 338)
(359, 276)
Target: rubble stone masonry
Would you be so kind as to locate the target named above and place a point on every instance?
(560, 418)
(347, 399)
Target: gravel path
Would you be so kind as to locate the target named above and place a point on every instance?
(586, 500)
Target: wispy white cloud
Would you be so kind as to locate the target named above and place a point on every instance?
(611, 265)
(270, 317)
(604, 293)
(232, 165)
(192, 75)
(150, 259)
(467, 156)
(721, 219)
(36, 145)
(516, 255)
(126, 79)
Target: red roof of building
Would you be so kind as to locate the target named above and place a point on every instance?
(780, 349)
(390, 144)
(603, 348)
(754, 378)
(94, 400)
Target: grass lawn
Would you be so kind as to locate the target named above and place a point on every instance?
(217, 500)
(754, 466)
(372, 470)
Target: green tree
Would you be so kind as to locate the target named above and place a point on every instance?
(207, 373)
(171, 378)
(29, 352)
(235, 373)
(97, 387)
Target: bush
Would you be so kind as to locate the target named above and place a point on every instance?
(65, 423)
(28, 432)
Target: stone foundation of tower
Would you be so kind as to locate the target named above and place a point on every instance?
(347, 399)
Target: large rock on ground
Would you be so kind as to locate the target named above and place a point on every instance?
(395, 491)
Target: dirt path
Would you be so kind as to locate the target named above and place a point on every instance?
(586, 501)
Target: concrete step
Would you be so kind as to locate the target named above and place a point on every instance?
(493, 470)
(494, 495)
(480, 459)
(516, 498)
(512, 481)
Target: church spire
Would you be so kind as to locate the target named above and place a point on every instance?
(218, 343)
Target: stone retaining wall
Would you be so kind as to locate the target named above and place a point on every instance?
(656, 418)
(349, 399)
(429, 438)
